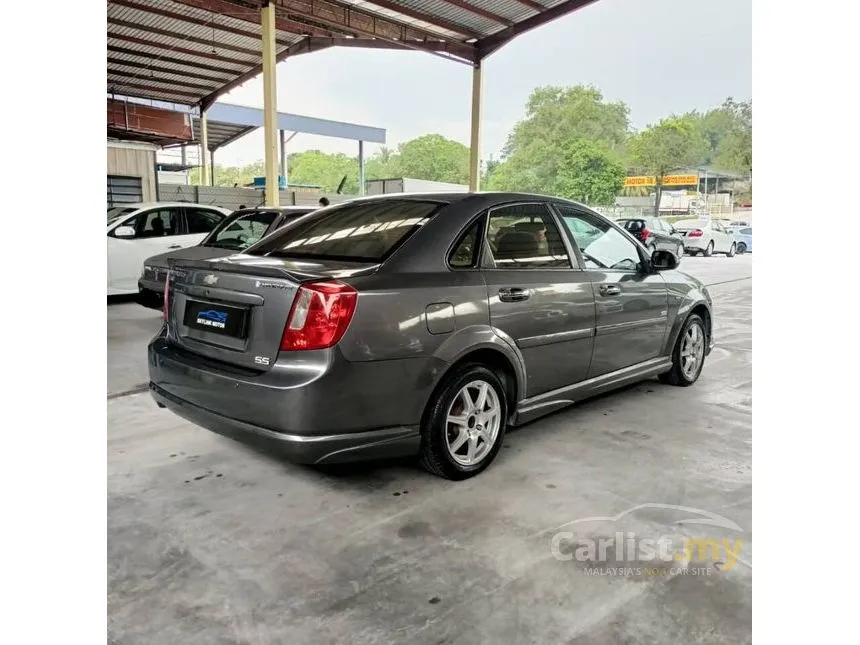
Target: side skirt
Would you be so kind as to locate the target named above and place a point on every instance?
(537, 406)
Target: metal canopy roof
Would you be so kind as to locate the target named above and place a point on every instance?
(192, 51)
(226, 122)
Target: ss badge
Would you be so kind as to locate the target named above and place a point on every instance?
(261, 360)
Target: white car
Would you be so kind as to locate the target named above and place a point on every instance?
(139, 231)
(706, 237)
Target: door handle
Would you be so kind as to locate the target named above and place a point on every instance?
(514, 294)
(175, 246)
(609, 290)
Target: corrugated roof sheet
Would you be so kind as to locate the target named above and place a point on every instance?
(190, 51)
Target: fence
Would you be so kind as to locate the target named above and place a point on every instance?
(233, 198)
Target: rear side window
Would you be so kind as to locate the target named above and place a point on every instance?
(359, 232)
(202, 221)
(525, 236)
(465, 253)
(746, 231)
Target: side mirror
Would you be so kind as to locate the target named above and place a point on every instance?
(663, 261)
(124, 231)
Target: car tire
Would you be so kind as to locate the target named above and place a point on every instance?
(440, 453)
(732, 250)
(710, 250)
(742, 248)
(683, 373)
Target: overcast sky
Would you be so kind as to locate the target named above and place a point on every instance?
(659, 56)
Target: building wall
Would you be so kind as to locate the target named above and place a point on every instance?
(134, 160)
(233, 198)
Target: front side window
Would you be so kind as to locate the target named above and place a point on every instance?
(157, 223)
(358, 232)
(525, 236)
(243, 231)
(602, 246)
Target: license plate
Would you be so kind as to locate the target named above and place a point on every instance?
(216, 318)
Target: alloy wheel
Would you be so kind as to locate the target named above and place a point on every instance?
(472, 424)
(692, 350)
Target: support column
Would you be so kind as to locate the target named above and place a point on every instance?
(361, 168)
(475, 139)
(204, 146)
(283, 156)
(270, 103)
(212, 168)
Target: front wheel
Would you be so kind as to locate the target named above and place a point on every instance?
(688, 355)
(465, 425)
(731, 252)
(710, 250)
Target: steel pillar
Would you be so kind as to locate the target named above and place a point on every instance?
(270, 103)
(204, 146)
(361, 167)
(212, 168)
(475, 139)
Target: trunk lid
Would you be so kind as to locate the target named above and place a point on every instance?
(234, 309)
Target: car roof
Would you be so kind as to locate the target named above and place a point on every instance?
(142, 205)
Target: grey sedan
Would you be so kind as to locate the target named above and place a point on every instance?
(421, 325)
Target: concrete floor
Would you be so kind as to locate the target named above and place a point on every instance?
(210, 542)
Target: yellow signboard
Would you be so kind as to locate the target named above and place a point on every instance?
(639, 181)
(680, 180)
(668, 180)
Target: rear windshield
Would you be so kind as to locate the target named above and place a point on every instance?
(241, 230)
(360, 232)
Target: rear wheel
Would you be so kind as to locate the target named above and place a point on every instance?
(742, 248)
(731, 252)
(688, 356)
(710, 250)
(465, 425)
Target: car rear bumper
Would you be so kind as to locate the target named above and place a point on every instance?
(695, 244)
(151, 285)
(303, 449)
(322, 410)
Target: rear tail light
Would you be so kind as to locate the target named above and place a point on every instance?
(320, 315)
(166, 295)
(695, 233)
(644, 234)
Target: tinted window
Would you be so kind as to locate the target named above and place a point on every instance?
(603, 247)
(746, 231)
(157, 223)
(240, 232)
(201, 221)
(363, 231)
(465, 252)
(525, 236)
(113, 214)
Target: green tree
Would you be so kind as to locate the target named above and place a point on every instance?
(735, 148)
(556, 117)
(589, 173)
(326, 170)
(434, 158)
(671, 144)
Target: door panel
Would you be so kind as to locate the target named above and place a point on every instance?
(631, 308)
(537, 298)
(156, 231)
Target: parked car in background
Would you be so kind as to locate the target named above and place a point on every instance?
(234, 234)
(706, 237)
(743, 239)
(406, 325)
(655, 234)
(138, 231)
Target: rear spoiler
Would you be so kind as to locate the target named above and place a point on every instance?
(224, 264)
